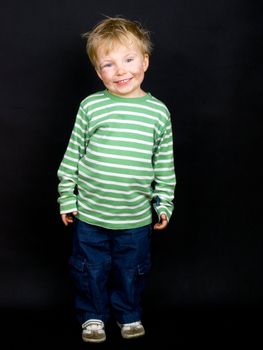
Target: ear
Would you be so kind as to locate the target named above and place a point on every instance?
(145, 62)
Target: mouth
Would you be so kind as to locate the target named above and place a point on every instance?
(123, 81)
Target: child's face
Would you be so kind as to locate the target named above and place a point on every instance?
(122, 69)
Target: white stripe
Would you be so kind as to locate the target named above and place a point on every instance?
(68, 202)
(171, 184)
(119, 166)
(66, 184)
(164, 153)
(122, 139)
(65, 204)
(166, 196)
(78, 136)
(122, 104)
(111, 198)
(75, 160)
(81, 119)
(90, 103)
(164, 169)
(77, 126)
(162, 161)
(65, 165)
(71, 141)
(88, 199)
(115, 156)
(127, 113)
(119, 148)
(116, 222)
(66, 176)
(116, 183)
(158, 104)
(127, 122)
(165, 190)
(168, 135)
(162, 206)
(96, 171)
(144, 193)
(73, 150)
(165, 177)
(110, 214)
(167, 144)
(129, 131)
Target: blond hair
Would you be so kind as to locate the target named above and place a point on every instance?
(114, 30)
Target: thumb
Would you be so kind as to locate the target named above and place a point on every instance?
(74, 213)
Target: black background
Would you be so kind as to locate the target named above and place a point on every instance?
(206, 283)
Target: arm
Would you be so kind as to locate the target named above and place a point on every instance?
(68, 169)
(163, 162)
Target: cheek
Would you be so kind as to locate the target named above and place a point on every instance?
(141, 72)
(105, 76)
(140, 69)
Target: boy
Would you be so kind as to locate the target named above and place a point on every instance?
(118, 162)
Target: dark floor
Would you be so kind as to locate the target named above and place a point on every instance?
(179, 328)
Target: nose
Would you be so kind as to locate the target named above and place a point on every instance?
(120, 70)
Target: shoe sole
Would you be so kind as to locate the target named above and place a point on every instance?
(129, 336)
(92, 340)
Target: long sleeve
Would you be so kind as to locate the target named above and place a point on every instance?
(165, 180)
(68, 169)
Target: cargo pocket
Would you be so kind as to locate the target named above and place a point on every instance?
(143, 269)
(141, 278)
(79, 274)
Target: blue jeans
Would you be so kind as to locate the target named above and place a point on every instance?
(109, 270)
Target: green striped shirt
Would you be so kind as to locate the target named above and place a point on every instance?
(119, 160)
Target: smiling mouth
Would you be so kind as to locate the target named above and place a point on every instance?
(123, 81)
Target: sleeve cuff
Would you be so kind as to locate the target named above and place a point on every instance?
(162, 210)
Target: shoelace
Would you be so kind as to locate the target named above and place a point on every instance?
(132, 325)
(94, 325)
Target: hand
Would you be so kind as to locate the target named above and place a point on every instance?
(68, 218)
(161, 225)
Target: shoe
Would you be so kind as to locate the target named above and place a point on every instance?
(131, 330)
(93, 331)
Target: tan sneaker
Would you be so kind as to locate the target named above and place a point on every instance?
(93, 331)
(132, 330)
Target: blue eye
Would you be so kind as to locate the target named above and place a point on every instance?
(107, 65)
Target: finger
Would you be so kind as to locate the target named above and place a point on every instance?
(161, 225)
(64, 219)
(163, 217)
(158, 226)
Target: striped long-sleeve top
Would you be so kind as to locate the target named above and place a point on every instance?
(118, 162)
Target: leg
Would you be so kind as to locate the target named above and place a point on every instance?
(90, 264)
(130, 263)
